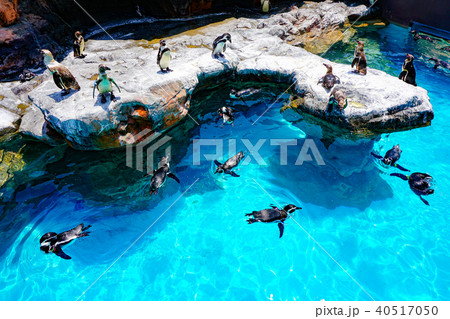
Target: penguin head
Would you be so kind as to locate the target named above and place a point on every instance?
(219, 169)
(48, 242)
(329, 68)
(227, 36)
(360, 43)
(77, 34)
(290, 208)
(162, 43)
(102, 68)
(47, 54)
(409, 57)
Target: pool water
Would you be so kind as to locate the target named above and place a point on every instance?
(200, 246)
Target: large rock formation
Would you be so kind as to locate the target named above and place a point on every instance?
(149, 99)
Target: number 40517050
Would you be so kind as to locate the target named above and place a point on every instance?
(407, 310)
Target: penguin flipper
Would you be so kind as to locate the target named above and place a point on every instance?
(404, 177)
(424, 200)
(112, 80)
(401, 168)
(234, 174)
(354, 62)
(281, 228)
(376, 155)
(95, 87)
(171, 175)
(217, 163)
(58, 252)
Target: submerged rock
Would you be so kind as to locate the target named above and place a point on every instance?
(156, 101)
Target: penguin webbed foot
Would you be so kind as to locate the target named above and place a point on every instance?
(252, 220)
(65, 92)
(113, 98)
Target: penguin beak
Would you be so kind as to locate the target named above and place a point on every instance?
(106, 68)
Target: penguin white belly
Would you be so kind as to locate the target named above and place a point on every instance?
(105, 86)
(265, 7)
(165, 60)
(219, 48)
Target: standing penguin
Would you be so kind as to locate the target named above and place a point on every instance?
(273, 214)
(163, 57)
(52, 242)
(391, 157)
(220, 45)
(231, 163)
(160, 174)
(359, 59)
(265, 6)
(329, 79)
(61, 75)
(78, 46)
(104, 84)
(408, 73)
(420, 184)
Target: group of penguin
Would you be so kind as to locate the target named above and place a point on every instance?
(52, 242)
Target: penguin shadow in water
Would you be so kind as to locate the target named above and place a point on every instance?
(105, 105)
(59, 97)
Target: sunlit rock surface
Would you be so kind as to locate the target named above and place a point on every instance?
(152, 100)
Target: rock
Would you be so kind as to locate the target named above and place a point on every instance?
(8, 12)
(9, 122)
(151, 100)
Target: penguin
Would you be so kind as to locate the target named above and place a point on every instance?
(220, 45)
(338, 100)
(265, 6)
(227, 115)
(61, 75)
(104, 84)
(78, 46)
(163, 57)
(420, 184)
(391, 157)
(408, 73)
(418, 36)
(329, 79)
(440, 63)
(160, 174)
(243, 93)
(52, 242)
(26, 75)
(231, 163)
(273, 214)
(359, 59)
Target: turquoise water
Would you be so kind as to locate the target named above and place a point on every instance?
(372, 224)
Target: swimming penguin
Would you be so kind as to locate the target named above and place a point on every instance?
(265, 6)
(243, 94)
(104, 84)
(419, 183)
(338, 100)
(273, 214)
(78, 46)
(227, 115)
(418, 36)
(360, 60)
(408, 73)
(231, 163)
(440, 63)
(163, 57)
(329, 79)
(26, 75)
(391, 157)
(61, 75)
(160, 174)
(220, 45)
(52, 242)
